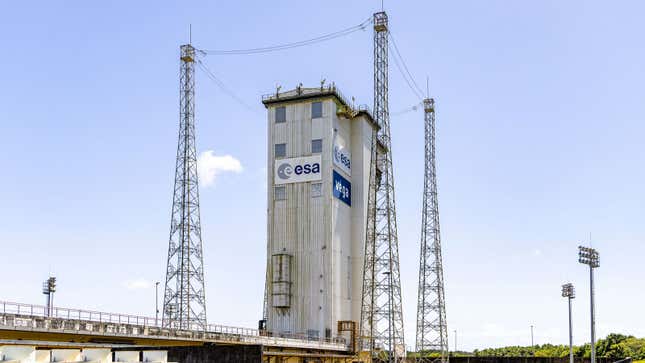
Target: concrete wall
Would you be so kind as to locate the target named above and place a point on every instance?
(65, 355)
(361, 159)
(29, 354)
(216, 354)
(155, 356)
(348, 223)
(127, 356)
(96, 355)
(25, 354)
(44, 356)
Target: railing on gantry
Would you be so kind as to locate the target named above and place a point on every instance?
(30, 311)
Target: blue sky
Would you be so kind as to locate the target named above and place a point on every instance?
(540, 116)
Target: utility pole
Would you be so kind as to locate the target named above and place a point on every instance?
(532, 345)
(381, 308)
(589, 256)
(432, 330)
(455, 341)
(184, 304)
(570, 293)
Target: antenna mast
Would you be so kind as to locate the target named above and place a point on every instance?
(381, 312)
(184, 298)
(432, 331)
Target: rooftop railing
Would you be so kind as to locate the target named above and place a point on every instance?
(324, 89)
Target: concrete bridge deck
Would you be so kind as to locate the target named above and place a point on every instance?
(31, 322)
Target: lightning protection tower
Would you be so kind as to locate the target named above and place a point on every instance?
(381, 310)
(184, 299)
(432, 332)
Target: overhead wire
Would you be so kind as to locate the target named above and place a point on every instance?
(405, 78)
(399, 61)
(274, 48)
(284, 46)
(401, 65)
(407, 110)
(223, 87)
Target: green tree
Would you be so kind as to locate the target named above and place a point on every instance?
(610, 346)
(582, 351)
(614, 346)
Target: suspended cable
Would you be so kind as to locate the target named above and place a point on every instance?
(407, 110)
(403, 69)
(223, 87)
(396, 48)
(301, 43)
(405, 78)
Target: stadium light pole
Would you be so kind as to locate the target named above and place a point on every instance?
(589, 256)
(49, 287)
(570, 293)
(455, 342)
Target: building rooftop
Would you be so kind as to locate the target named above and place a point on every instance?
(302, 93)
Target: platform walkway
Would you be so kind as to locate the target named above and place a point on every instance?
(24, 321)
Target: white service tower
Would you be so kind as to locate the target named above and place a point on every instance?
(318, 174)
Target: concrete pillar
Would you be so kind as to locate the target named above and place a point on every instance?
(21, 353)
(65, 355)
(96, 355)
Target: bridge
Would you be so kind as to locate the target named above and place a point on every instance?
(61, 328)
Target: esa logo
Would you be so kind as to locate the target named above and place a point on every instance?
(341, 157)
(286, 170)
(296, 170)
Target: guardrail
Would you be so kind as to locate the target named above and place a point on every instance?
(75, 314)
(327, 89)
(238, 333)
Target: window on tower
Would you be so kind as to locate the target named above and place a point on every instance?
(316, 109)
(316, 146)
(280, 193)
(316, 190)
(280, 114)
(280, 150)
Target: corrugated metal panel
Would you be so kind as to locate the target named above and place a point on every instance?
(321, 235)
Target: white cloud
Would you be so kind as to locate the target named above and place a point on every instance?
(137, 284)
(210, 165)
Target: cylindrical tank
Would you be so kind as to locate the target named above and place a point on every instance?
(281, 284)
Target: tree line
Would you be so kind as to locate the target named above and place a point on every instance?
(614, 346)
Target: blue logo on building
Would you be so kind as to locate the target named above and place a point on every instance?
(342, 189)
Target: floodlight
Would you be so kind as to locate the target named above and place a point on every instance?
(568, 291)
(590, 257)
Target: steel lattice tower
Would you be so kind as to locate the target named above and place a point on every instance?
(432, 332)
(381, 313)
(184, 298)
